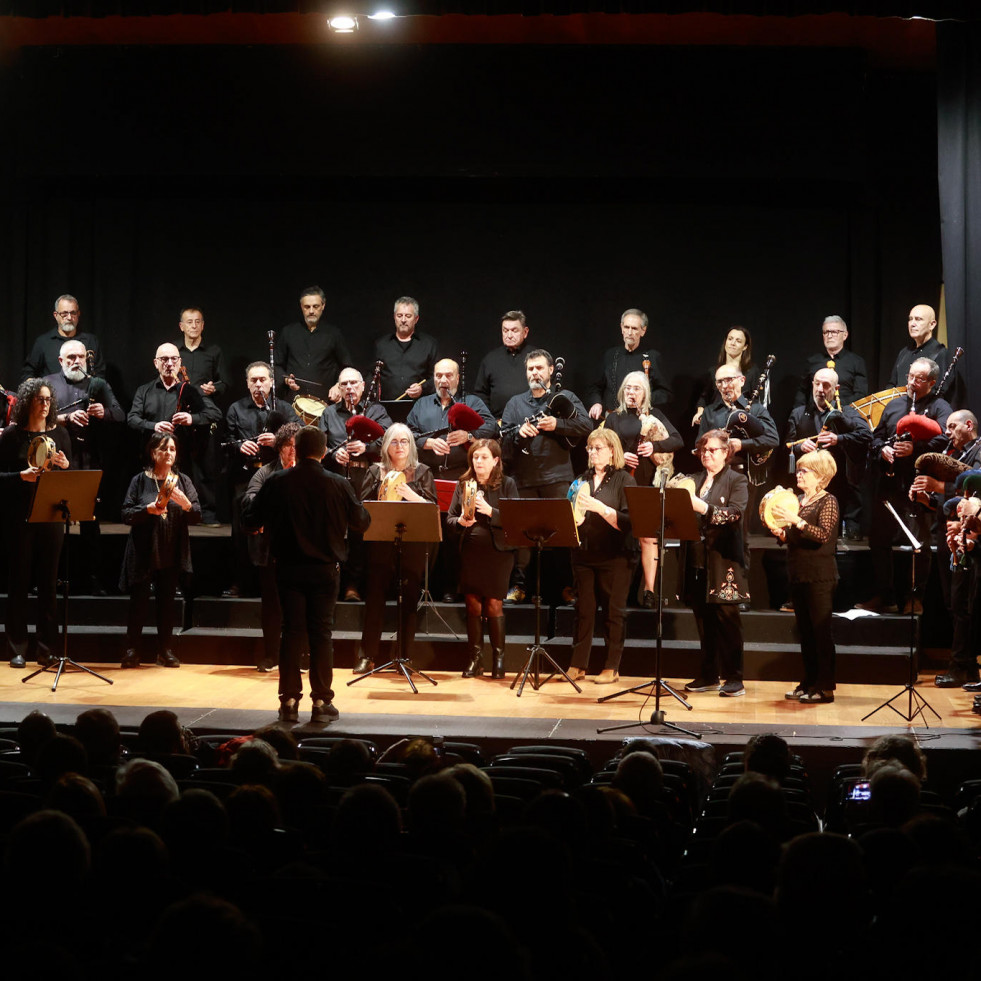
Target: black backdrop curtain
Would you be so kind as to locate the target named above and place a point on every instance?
(959, 152)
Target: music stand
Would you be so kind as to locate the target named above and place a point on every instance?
(444, 495)
(541, 522)
(399, 522)
(915, 698)
(660, 513)
(57, 494)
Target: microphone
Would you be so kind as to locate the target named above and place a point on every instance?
(662, 478)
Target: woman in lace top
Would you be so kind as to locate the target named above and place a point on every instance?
(813, 573)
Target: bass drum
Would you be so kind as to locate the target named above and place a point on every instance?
(779, 496)
(309, 408)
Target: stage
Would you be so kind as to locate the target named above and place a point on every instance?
(238, 699)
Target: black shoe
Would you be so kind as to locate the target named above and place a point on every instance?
(168, 659)
(796, 695)
(266, 665)
(648, 601)
(289, 710)
(974, 686)
(953, 678)
(130, 659)
(96, 588)
(231, 593)
(816, 697)
(733, 689)
(324, 712)
(450, 598)
(700, 684)
(362, 665)
(46, 660)
(498, 670)
(17, 661)
(304, 662)
(475, 666)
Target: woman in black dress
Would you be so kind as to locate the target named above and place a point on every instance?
(399, 459)
(31, 548)
(715, 566)
(813, 572)
(604, 562)
(736, 350)
(643, 453)
(485, 560)
(158, 549)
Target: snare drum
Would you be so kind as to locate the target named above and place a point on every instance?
(309, 408)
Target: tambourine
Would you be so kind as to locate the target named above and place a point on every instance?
(681, 482)
(40, 452)
(778, 497)
(577, 494)
(166, 490)
(469, 499)
(309, 408)
(389, 488)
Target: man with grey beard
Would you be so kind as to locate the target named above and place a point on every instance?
(86, 408)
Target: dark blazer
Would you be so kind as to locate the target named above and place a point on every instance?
(507, 489)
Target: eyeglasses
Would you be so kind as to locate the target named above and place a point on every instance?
(828, 333)
(167, 360)
(597, 448)
(42, 398)
(713, 449)
(732, 380)
(401, 442)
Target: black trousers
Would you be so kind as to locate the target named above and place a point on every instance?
(813, 608)
(307, 595)
(165, 581)
(272, 611)
(883, 532)
(33, 551)
(720, 630)
(600, 584)
(381, 571)
(965, 608)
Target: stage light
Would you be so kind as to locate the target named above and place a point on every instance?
(343, 24)
(382, 15)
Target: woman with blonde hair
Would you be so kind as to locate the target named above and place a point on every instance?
(811, 538)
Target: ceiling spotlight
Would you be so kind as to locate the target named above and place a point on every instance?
(382, 15)
(343, 24)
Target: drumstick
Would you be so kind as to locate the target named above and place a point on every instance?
(306, 381)
(406, 392)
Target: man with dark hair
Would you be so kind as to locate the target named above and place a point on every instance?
(409, 355)
(312, 350)
(43, 359)
(307, 511)
(769, 754)
(501, 374)
(619, 361)
(539, 443)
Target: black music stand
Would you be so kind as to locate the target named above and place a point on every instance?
(399, 522)
(660, 513)
(65, 495)
(543, 523)
(915, 698)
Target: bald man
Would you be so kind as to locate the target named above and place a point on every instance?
(845, 435)
(170, 405)
(922, 323)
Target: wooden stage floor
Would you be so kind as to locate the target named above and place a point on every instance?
(240, 698)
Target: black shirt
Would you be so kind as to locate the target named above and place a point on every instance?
(853, 382)
(406, 362)
(931, 349)
(205, 363)
(43, 359)
(618, 362)
(318, 355)
(87, 441)
(500, 377)
(153, 403)
(307, 512)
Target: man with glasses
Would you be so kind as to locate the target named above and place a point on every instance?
(46, 351)
(170, 405)
(853, 383)
(86, 409)
(845, 435)
(894, 459)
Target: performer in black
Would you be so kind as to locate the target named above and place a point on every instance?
(43, 359)
(604, 562)
(501, 374)
(158, 549)
(259, 553)
(845, 435)
(737, 352)
(409, 355)
(813, 572)
(921, 324)
(715, 567)
(307, 511)
(399, 476)
(486, 561)
(31, 548)
(311, 350)
(643, 453)
(626, 357)
(853, 382)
